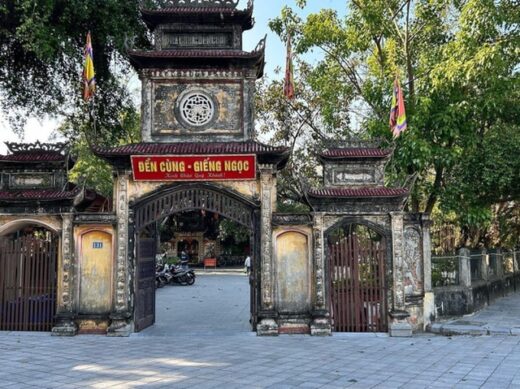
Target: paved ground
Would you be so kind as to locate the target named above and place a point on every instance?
(217, 303)
(501, 317)
(191, 357)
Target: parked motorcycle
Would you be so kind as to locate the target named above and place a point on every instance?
(183, 274)
(163, 275)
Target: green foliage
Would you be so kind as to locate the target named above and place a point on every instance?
(230, 230)
(90, 170)
(41, 59)
(458, 63)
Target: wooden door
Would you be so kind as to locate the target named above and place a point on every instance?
(145, 278)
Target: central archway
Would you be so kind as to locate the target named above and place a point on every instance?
(174, 199)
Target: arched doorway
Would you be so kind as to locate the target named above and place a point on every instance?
(28, 273)
(357, 287)
(178, 199)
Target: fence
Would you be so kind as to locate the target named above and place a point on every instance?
(471, 280)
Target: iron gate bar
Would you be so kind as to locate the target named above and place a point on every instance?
(357, 283)
(27, 284)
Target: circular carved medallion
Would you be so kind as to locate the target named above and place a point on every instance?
(196, 109)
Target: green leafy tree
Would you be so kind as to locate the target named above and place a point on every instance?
(41, 59)
(90, 170)
(458, 62)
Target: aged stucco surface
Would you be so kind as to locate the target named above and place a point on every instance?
(292, 264)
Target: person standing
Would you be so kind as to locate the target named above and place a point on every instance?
(247, 265)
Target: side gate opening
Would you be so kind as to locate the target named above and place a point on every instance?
(28, 270)
(168, 207)
(357, 279)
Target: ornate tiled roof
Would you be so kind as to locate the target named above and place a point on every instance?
(249, 147)
(196, 53)
(266, 154)
(365, 192)
(33, 157)
(172, 11)
(28, 153)
(206, 58)
(358, 152)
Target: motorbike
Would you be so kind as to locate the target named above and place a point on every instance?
(169, 274)
(183, 274)
(162, 275)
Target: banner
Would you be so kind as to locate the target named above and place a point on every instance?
(194, 167)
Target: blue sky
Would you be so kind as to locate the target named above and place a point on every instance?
(266, 10)
(41, 129)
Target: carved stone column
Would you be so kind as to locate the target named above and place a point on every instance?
(429, 298)
(121, 315)
(321, 316)
(146, 108)
(65, 325)
(267, 314)
(399, 325)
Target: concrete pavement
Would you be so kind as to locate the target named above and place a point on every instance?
(184, 352)
(502, 317)
(247, 361)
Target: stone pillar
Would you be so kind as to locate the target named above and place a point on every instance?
(146, 107)
(429, 298)
(464, 268)
(484, 267)
(65, 325)
(500, 264)
(121, 314)
(267, 315)
(399, 326)
(320, 315)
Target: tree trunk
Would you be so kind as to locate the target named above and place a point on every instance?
(432, 200)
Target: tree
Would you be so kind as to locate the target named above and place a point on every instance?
(41, 59)
(458, 62)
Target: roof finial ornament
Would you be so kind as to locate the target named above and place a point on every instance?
(38, 146)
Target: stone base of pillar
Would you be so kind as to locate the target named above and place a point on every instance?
(428, 309)
(400, 330)
(65, 327)
(121, 326)
(321, 327)
(292, 324)
(267, 327)
(399, 327)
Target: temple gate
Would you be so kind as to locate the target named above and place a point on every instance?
(356, 262)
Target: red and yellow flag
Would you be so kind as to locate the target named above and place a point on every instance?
(288, 86)
(89, 75)
(398, 122)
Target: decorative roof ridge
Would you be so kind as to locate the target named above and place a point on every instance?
(201, 52)
(355, 152)
(102, 149)
(37, 147)
(358, 192)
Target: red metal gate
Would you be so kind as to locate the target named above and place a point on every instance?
(27, 284)
(357, 283)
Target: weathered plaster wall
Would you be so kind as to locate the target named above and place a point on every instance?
(292, 269)
(12, 223)
(232, 91)
(95, 253)
(353, 173)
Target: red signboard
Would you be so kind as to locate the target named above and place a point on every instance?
(193, 167)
